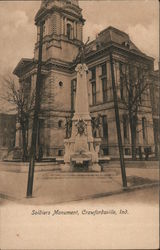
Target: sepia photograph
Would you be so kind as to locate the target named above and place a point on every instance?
(79, 124)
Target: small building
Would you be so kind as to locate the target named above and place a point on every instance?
(7, 133)
(62, 37)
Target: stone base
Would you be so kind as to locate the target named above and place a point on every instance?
(66, 167)
(95, 167)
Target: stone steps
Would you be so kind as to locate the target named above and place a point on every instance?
(63, 175)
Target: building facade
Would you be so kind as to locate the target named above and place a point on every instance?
(62, 38)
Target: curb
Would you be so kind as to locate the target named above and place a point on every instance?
(116, 192)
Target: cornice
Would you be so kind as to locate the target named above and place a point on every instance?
(58, 38)
(58, 65)
(118, 49)
(44, 12)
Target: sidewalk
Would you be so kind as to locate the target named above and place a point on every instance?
(51, 187)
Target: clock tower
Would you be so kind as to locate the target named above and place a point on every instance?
(63, 29)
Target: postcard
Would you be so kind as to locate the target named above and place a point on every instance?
(79, 124)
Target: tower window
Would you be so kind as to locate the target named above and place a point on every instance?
(69, 31)
(61, 84)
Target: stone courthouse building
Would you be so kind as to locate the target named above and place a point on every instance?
(62, 38)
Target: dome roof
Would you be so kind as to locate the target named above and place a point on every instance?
(45, 2)
(68, 5)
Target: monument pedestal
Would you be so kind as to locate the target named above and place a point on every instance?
(66, 167)
(95, 168)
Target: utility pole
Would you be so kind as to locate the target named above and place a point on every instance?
(119, 137)
(35, 117)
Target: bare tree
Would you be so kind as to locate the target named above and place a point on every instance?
(19, 97)
(133, 86)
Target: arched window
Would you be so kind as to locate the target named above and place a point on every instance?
(69, 31)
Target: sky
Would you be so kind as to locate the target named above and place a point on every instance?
(137, 18)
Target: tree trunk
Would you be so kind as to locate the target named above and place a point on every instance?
(25, 151)
(133, 135)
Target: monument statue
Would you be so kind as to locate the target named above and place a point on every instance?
(96, 125)
(81, 127)
(81, 55)
(68, 127)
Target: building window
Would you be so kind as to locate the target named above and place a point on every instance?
(121, 79)
(60, 152)
(104, 81)
(144, 128)
(105, 127)
(93, 93)
(105, 151)
(148, 150)
(104, 89)
(41, 125)
(127, 151)
(69, 31)
(95, 134)
(93, 82)
(125, 127)
(93, 74)
(104, 69)
(140, 83)
(60, 122)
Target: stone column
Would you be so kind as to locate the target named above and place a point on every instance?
(81, 105)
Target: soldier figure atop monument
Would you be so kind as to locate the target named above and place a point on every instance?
(81, 55)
